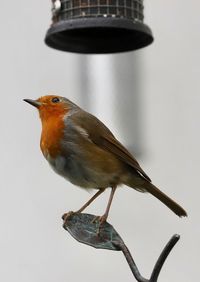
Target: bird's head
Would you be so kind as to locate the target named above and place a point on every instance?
(51, 106)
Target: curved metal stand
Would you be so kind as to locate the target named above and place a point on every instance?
(85, 230)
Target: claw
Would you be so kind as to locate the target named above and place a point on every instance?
(66, 216)
(100, 219)
(96, 218)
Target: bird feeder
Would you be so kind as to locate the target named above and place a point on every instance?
(98, 26)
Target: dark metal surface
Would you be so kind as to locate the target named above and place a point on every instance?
(83, 228)
(98, 35)
(98, 26)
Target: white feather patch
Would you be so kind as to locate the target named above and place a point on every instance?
(83, 132)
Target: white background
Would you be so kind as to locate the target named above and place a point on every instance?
(149, 99)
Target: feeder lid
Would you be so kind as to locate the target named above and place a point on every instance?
(98, 35)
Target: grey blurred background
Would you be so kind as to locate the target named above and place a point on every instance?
(149, 99)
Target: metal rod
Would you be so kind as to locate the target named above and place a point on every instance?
(131, 262)
(159, 264)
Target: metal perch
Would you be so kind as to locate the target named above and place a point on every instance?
(84, 230)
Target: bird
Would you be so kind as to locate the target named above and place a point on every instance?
(80, 148)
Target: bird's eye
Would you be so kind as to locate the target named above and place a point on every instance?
(55, 100)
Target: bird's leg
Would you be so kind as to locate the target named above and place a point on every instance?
(91, 200)
(104, 217)
(66, 215)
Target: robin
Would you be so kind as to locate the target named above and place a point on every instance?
(79, 147)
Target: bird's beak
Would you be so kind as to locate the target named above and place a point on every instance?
(34, 103)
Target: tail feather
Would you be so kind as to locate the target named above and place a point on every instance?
(171, 204)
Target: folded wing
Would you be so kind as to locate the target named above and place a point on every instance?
(99, 134)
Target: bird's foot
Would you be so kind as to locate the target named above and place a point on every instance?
(99, 219)
(66, 216)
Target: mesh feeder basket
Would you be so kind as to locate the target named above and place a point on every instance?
(98, 26)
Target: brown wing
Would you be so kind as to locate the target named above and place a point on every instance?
(103, 137)
(113, 145)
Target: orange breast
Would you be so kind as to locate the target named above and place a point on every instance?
(52, 133)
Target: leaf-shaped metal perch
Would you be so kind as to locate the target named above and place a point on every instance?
(84, 230)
